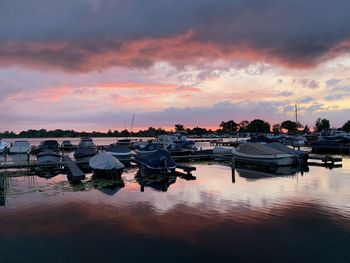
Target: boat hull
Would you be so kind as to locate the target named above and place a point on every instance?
(269, 159)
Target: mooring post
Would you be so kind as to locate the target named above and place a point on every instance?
(2, 181)
(233, 167)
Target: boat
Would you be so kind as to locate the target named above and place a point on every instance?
(67, 146)
(155, 162)
(48, 157)
(47, 145)
(83, 155)
(222, 150)
(262, 154)
(123, 142)
(175, 141)
(121, 152)
(19, 147)
(302, 155)
(86, 141)
(3, 146)
(152, 147)
(104, 164)
(49, 162)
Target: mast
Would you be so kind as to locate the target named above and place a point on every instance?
(296, 113)
(132, 122)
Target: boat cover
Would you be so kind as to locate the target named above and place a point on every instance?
(104, 161)
(257, 149)
(84, 151)
(118, 149)
(221, 150)
(280, 147)
(155, 159)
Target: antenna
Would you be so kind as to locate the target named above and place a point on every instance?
(296, 113)
(132, 122)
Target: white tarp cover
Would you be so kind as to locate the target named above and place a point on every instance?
(257, 149)
(221, 150)
(104, 161)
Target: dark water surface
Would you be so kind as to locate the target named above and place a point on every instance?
(218, 217)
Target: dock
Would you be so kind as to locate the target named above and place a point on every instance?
(74, 173)
(325, 161)
(222, 143)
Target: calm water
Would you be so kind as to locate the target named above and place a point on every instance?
(219, 216)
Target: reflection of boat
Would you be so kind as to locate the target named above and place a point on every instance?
(20, 147)
(122, 152)
(255, 172)
(155, 162)
(259, 153)
(108, 187)
(158, 183)
(104, 164)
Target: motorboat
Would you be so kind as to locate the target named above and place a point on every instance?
(20, 147)
(152, 147)
(222, 150)
(155, 162)
(105, 164)
(47, 145)
(3, 146)
(49, 162)
(121, 152)
(67, 146)
(86, 141)
(302, 155)
(262, 154)
(175, 141)
(48, 157)
(123, 142)
(84, 153)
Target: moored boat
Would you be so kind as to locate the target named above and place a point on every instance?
(67, 146)
(121, 152)
(155, 162)
(3, 146)
(19, 147)
(104, 164)
(262, 154)
(83, 155)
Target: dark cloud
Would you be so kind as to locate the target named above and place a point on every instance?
(81, 35)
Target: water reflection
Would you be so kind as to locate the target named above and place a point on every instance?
(159, 182)
(208, 219)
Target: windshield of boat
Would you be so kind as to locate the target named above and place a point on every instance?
(21, 144)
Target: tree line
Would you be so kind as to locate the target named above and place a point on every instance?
(225, 127)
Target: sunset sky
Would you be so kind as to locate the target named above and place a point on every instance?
(90, 64)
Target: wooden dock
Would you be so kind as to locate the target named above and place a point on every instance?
(74, 173)
(325, 161)
(222, 143)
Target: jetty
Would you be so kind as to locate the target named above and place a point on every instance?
(74, 173)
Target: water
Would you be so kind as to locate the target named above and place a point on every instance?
(218, 217)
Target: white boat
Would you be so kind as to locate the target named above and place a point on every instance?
(105, 163)
(261, 154)
(20, 147)
(121, 152)
(222, 150)
(3, 146)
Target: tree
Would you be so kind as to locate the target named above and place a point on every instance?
(229, 126)
(290, 126)
(276, 128)
(346, 126)
(243, 126)
(258, 126)
(306, 130)
(179, 127)
(322, 124)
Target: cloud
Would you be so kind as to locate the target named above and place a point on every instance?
(307, 83)
(85, 35)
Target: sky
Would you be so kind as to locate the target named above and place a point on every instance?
(92, 64)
